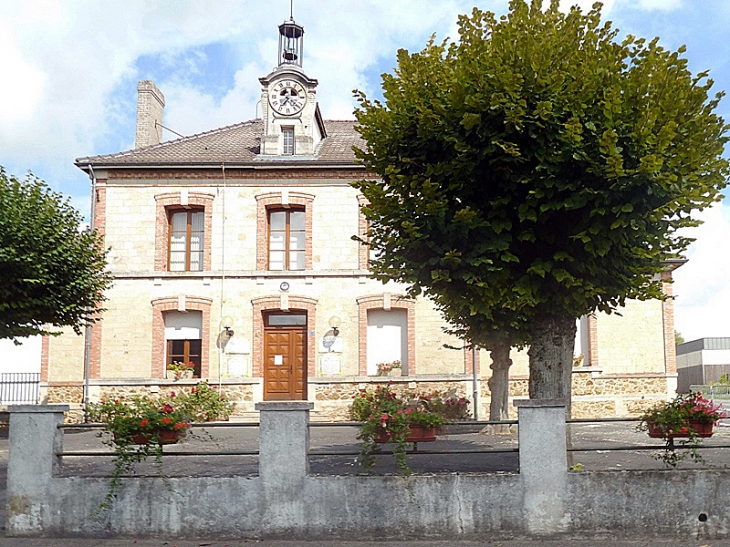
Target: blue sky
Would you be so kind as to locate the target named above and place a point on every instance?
(70, 70)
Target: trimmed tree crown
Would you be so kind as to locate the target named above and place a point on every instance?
(53, 274)
(537, 166)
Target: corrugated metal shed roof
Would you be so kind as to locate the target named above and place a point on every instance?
(703, 344)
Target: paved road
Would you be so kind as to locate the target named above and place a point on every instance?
(594, 446)
(12, 542)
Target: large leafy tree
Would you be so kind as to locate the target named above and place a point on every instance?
(536, 170)
(53, 273)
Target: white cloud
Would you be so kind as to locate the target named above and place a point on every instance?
(661, 5)
(19, 96)
(701, 286)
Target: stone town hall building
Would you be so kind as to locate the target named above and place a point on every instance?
(233, 249)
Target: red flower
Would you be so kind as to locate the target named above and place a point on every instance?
(168, 409)
(144, 422)
(178, 425)
(166, 420)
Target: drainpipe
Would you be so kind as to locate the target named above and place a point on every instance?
(475, 382)
(87, 328)
(223, 276)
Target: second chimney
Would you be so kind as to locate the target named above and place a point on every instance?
(150, 106)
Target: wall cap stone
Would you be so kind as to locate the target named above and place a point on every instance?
(37, 409)
(540, 403)
(284, 405)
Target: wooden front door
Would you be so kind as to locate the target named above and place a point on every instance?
(285, 356)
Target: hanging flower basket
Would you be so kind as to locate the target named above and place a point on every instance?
(162, 436)
(416, 434)
(699, 429)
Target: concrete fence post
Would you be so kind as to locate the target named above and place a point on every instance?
(34, 441)
(543, 464)
(284, 443)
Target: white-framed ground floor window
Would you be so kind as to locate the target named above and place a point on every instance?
(183, 338)
(387, 338)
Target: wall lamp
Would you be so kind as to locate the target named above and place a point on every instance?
(227, 323)
(334, 324)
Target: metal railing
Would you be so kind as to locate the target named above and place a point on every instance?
(19, 388)
(712, 392)
(651, 444)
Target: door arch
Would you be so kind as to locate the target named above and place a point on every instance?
(267, 305)
(285, 356)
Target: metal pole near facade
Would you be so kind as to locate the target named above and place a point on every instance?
(475, 382)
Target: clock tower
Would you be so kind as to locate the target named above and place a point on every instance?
(292, 122)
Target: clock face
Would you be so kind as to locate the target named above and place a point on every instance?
(287, 97)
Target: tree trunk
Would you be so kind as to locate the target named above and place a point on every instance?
(499, 382)
(551, 358)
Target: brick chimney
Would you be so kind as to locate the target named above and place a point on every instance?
(150, 105)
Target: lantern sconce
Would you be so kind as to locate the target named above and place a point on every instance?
(334, 324)
(227, 324)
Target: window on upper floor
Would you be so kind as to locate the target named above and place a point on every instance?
(186, 240)
(287, 239)
(287, 141)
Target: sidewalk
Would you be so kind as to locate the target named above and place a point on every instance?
(55, 542)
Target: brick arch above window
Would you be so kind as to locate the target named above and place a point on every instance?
(281, 200)
(273, 303)
(378, 302)
(167, 202)
(173, 303)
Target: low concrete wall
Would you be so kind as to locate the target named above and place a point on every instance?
(284, 501)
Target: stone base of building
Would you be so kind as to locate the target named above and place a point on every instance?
(594, 395)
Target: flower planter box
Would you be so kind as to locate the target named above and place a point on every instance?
(180, 375)
(416, 434)
(164, 436)
(702, 430)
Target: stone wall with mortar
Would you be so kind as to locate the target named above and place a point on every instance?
(543, 501)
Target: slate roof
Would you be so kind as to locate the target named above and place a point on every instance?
(237, 144)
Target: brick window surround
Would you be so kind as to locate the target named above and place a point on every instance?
(281, 200)
(273, 303)
(670, 348)
(171, 303)
(363, 251)
(173, 201)
(377, 302)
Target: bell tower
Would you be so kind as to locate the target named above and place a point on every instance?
(292, 122)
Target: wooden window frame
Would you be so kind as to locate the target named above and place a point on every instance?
(175, 201)
(188, 237)
(277, 200)
(287, 239)
(186, 357)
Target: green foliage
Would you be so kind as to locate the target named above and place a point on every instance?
(53, 274)
(385, 415)
(678, 338)
(446, 404)
(123, 421)
(204, 403)
(676, 417)
(536, 167)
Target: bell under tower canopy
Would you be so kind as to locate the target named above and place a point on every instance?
(291, 43)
